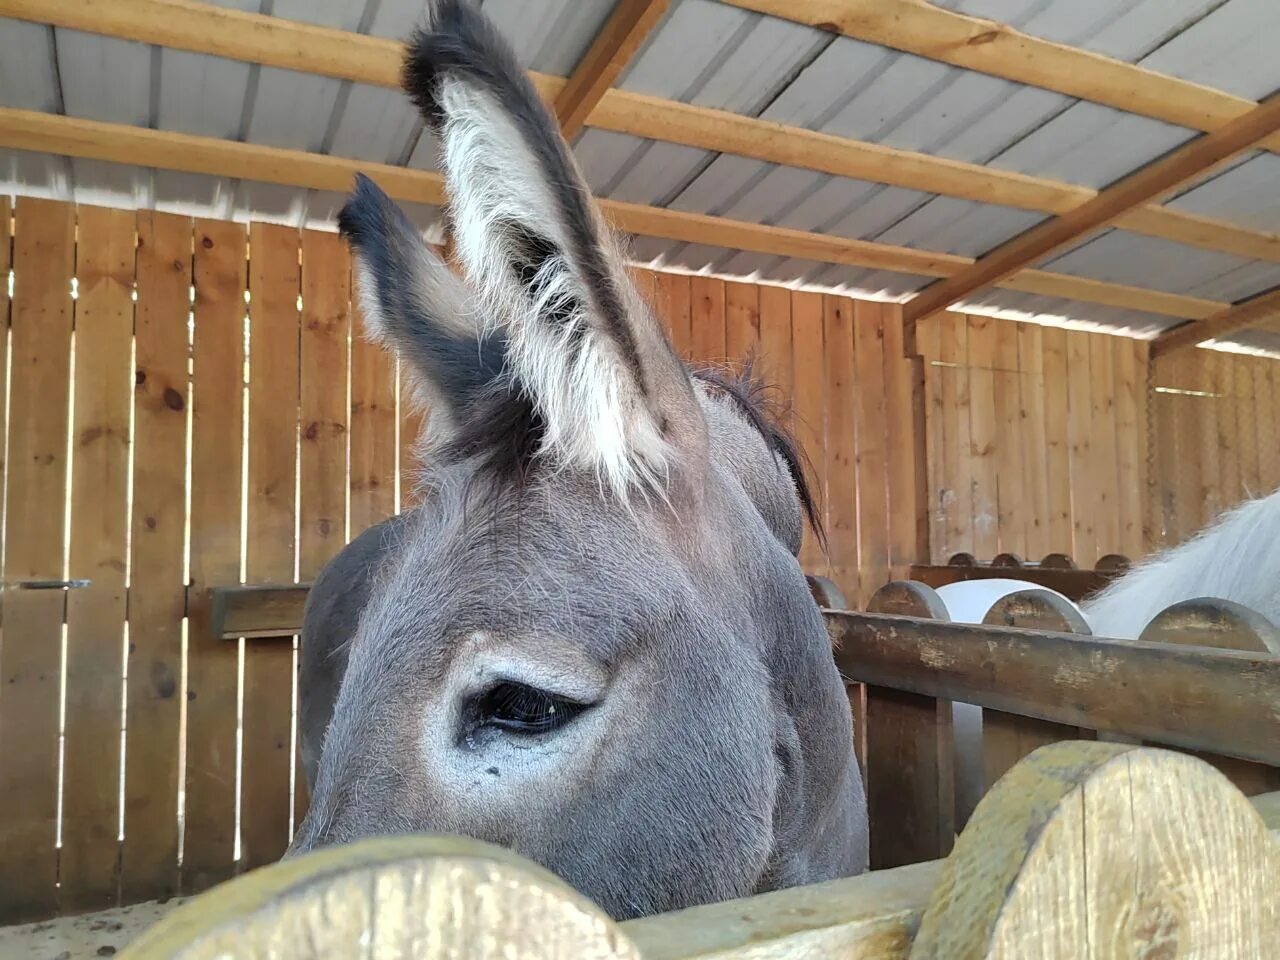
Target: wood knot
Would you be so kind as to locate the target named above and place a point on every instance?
(173, 399)
(139, 378)
(206, 242)
(987, 36)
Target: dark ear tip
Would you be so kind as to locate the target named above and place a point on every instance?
(365, 211)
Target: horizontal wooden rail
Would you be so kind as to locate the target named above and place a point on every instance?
(1073, 584)
(258, 610)
(123, 143)
(1198, 698)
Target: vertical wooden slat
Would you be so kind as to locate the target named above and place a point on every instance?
(373, 433)
(741, 320)
(1034, 439)
(1265, 426)
(1223, 367)
(98, 553)
(1182, 453)
(157, 593)
(774, 358)
(1057, 441)
(1208, 417)
(322, 416)
(985, 439)
(903, 421)
(1102, 446)
(275, 283)
(216, 467)
(1247, 404)
(1011, 446)
(939, 500)
(1130, 451)
(910, 777)
(707, 335)
(672, 301)
(1142, 419)
(809, 402)
(1084, 500)
(30, 660)
(871, 457)
(957, 470)
(839, 445)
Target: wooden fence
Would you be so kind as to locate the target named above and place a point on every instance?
(1215, 437)
(191, 405)
(1036, 439)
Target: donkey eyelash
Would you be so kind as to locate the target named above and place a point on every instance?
(521, 709)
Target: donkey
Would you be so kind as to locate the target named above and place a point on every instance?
(591, 642)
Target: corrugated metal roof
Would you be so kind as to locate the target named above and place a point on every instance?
(716, 55)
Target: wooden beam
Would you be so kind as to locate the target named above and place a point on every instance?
(1176, 169)
(986, 46)
(121, 143)
(257, 610)
(1198, 698)
(1247, 313)
(273, 41)
(619, 40)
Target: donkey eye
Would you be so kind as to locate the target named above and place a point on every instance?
(518, 708)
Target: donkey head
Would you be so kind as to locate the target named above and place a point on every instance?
(591, 642)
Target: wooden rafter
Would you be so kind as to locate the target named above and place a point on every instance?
(1176, 169)
(1239, 316)
(618, 41)
(121, 143)
(986, 46)
(272, 41)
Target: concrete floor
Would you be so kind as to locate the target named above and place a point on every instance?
(86, 937)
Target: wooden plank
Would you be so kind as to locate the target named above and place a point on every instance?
(1208, 409)
(294, 45)
(261, 611)
(1247, 404)
(741, 321)
(275, 283)
(940, 501)
(1146, 542)
(1131, 450)
(957, 469)
(839, 444)
(809, 402)
(906, 445)
(1223, 371)
(90, 858)
(994, 48)
(1119, 686)
(774, 361)
(1084, 493)
(1191, 416)
(1034, 439)
(910, 783)
(41, 317)
(372, 423)
(614, 47)
(707, 321)
(984, 435)
(1266, 424)
(1011, 492)
(1225, 322)
(871, 455)
(216, 463)
(39, 131)
(1075, 585)
(157, 591)
(673, 303)
(6, 262)
(1153, 182)
(1057, 440)
(1103, 458)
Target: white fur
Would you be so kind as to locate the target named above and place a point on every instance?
(595, 416)
(1235, 558)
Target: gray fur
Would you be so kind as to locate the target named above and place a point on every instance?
(713, 758)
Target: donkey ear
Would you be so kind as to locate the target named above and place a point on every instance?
(413, 303)
(612, 394)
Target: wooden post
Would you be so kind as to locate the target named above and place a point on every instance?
(909, 765)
